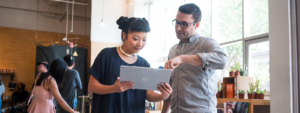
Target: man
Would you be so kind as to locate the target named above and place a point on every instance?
(70, 83)
(20, 94)
(193, 62)
(20, 97)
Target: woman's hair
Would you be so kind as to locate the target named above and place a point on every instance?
(133, 25)
(57, 71)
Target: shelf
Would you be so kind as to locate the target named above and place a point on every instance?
(252, 102)
(153, 111)
(230, 77)
(240, 83)
(6, 100)
(4, 73)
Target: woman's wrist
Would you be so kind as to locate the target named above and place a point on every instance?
(112, 89)
(71, 111)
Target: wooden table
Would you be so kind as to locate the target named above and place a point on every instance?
(152, 111)
(252, 102)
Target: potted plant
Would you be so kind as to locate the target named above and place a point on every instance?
(257, 86)
(89, 99)
(242, 72)
(251, 92)
(241, 94)
(232, 72)
(220, 88)
(237, 66)
(261, 94)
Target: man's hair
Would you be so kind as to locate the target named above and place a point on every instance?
(193, 9)
(69, 59)
(22, 85)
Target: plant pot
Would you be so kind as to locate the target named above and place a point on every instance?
(241, 96)
(231, 74)
(218, 94)
(251, 96)
(237, 73)
(261, 96)
(242, 73)
(255, 95)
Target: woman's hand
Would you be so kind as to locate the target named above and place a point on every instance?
(165, 90)
(122, 86)
(76, 112)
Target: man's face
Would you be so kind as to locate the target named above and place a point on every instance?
(19, 86)
(184, 34)
(40, 68)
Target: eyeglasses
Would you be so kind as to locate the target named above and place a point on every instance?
(183, 25)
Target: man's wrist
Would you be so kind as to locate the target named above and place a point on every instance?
(182, 58)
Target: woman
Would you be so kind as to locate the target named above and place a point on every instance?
(2, 89)
(111, 96)
(46, 87)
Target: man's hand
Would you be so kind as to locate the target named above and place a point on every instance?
(173, 63)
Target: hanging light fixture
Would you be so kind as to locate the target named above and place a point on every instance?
(102, 23)
(75, 53)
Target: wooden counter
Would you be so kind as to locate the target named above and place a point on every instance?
(252, 102)
(152, 111)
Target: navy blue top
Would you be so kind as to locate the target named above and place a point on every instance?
(106, 69)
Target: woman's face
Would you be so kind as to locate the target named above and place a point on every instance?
(134, 41)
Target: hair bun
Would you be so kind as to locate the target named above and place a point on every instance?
(122, 22)
(145, 20)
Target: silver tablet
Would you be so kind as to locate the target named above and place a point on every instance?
(144, 77)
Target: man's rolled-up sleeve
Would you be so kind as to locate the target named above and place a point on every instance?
(214, 58)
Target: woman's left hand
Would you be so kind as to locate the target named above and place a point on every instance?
(165, 90)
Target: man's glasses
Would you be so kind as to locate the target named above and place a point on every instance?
(183, 25)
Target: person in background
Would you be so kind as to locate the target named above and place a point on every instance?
(20, 94)
(70, 84)
(109, 94)
(20, 98)
(46, 87)
(2, 89)
(193, 61)
(42, 67)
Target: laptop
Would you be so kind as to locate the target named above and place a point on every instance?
(143, 77)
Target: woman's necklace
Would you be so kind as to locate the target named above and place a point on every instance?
(126, 53)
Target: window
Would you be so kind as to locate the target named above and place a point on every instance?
(234, 51)
(257, 55)
(227, 20)
(256, 17)
(156, 46)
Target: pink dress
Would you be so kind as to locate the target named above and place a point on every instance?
(42, 101)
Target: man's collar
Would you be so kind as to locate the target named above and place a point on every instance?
(191, 40)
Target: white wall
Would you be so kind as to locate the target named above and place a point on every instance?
(113, 10)
(279, 30)
(141, 10)
(23, 19)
